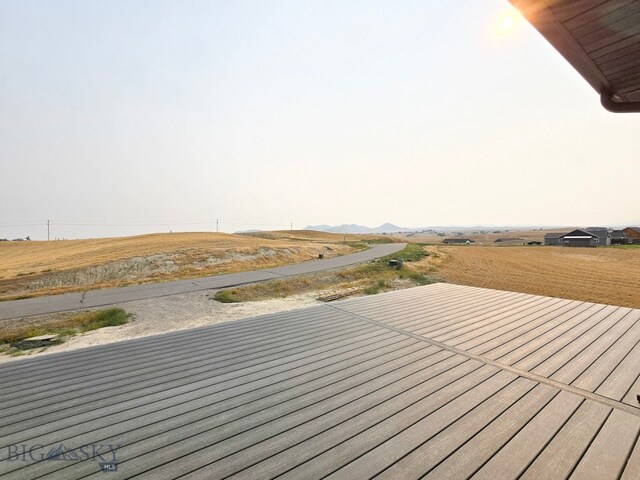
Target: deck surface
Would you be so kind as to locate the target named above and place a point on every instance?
(438, 382)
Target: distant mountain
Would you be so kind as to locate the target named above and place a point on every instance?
(318, 228)
(353, 228)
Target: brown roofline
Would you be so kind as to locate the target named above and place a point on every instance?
(543, 19)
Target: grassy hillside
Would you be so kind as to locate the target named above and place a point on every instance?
(37, 268)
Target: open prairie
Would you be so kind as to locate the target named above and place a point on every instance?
(38, 268)
(608, 275)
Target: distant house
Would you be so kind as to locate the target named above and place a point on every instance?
(458, 241)
(618, 237)
(633, 234)
(602, 233)
(553, 238)
(580, 238)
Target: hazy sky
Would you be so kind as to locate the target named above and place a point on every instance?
(270, 112)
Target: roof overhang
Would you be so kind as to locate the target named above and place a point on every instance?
(599, 38)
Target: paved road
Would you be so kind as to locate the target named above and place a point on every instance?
(110, 296)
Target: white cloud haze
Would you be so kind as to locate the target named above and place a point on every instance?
(308, 112)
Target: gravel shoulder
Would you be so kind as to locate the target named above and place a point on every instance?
(167, 314)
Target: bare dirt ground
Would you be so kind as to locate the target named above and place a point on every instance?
(162, 315)
(44, 268)
(608, 275)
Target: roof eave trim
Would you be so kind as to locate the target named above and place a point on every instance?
(606, 99)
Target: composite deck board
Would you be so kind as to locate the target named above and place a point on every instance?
(395, 448)
(530, 347)
(422, 310)
(217, 418)
(236, 361)
(437, 448)
(623, 382)
(503, 342)
(231, 355)
(156, 341)
(203, 373)
(440, 382)
(130, 408)
(522, 449)
(231, 442)
(633, 464)
(557, 353)
(486, 336)
(608, 453)
(356, 351)
(463, 462)
(525, 308)
(449, 331)
(343, 442)
(205, 338)
(251, 343)
(427, 310)
(454, 319)
(569, 445)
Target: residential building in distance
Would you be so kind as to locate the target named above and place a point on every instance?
(632, 234)
(580, 238)
(553, 238)
(602, 233)
(618, 237)
(458, 241)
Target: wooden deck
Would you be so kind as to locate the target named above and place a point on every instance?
(439, 382)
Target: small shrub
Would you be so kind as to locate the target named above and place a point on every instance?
(413, 252)
(371, 290)
(111, 317)
(226, 296)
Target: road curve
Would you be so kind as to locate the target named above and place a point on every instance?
(110, 296)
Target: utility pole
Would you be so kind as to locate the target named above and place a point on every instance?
(48, 230)
(291, 228)
(217, 225)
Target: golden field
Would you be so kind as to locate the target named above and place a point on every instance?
(39, 268)
(608, 275)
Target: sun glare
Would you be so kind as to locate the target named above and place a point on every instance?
(507, 23)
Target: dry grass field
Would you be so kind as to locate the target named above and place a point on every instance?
(39, 268)
(608, 275)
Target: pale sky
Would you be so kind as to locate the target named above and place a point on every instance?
(262, 113)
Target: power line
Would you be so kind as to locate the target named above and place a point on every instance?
(9, 225)
(218, 222)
